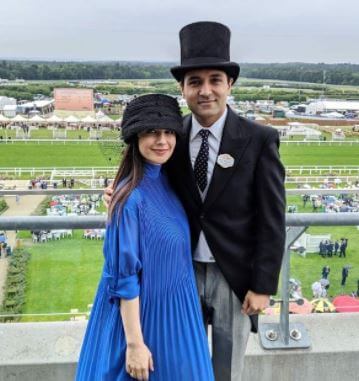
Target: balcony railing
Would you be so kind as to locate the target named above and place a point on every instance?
(282, 335)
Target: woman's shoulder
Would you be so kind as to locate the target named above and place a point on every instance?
(129, 209)
(134, 200)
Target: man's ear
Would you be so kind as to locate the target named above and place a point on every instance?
(181, 86)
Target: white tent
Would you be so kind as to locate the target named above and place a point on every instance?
(54, 119)
(99, 114)
(89, 119)
(104, 119)
(19, 118)
(335, 115)
(71, 119)
(4, 118)
(37, 119)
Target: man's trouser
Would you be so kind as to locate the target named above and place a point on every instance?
(230, 328)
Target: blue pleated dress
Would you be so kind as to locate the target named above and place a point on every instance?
(148, 254)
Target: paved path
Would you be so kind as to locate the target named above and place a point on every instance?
(25, 206)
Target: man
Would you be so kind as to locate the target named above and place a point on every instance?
(229, 177)
(325, 272)
(336, 247)
(342, 248)
(230, 180)
(345, 273)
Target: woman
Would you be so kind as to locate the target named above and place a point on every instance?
(146, 322)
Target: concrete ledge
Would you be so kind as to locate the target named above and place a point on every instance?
(49, 351)
(333, 355)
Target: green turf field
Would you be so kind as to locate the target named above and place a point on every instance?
(56, 155)
(72, 155)
(309, 269)
(43, 133)
(319, 155)
(62, 275)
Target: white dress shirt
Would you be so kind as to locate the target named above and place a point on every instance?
(202, 252)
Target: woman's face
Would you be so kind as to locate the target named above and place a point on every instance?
(156, 146)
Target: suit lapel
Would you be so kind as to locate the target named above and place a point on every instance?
(190, 181)
(233, 143)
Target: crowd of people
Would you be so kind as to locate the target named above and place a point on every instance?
(40, 183)
(320, 288)
(73, 205)
(68, 183)
(332, 204)
(328, 248)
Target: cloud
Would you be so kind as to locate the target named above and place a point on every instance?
(262, 31)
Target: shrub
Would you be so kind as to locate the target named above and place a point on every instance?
(3, 205)
(15, 285)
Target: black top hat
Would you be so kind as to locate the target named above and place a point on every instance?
(204, 45)
(151, 111)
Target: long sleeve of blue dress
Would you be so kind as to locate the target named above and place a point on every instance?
(122, 254)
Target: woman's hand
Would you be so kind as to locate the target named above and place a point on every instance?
(139, 361)
(107, 196)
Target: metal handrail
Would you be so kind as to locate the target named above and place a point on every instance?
(99, 221)
(79, 191)
(283, 335)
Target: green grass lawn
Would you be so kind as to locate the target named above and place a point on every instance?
(309, 269)
(44, 133)
(70, 154)
(319, 155)
(57, 155)
(62, 275)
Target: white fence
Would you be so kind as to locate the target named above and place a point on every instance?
(322, 169)
(60, 141)
(295, 173)
(320, 142)
(90, 172)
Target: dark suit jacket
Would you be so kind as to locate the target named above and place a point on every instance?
(243, 215)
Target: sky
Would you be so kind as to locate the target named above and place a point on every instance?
(142, 30)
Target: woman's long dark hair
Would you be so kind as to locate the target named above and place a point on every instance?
(130, 173)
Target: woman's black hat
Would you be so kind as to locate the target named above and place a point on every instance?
(205, 45)
(151, 111)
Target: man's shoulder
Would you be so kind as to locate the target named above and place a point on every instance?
(252, 128)
(257, 129)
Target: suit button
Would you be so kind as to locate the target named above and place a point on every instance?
(201, 216)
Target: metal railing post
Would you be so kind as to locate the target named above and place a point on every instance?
(285, 335)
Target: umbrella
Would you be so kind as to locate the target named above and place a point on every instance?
(346, 303)
(322, 305)
(304, 308)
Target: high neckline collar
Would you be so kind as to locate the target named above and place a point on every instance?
(152, 170)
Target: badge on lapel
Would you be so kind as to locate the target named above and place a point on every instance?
(225, 160)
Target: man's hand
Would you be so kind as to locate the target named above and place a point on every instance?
(107, 196)
(254, 303)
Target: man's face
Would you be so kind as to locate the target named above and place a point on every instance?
(206, 91)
